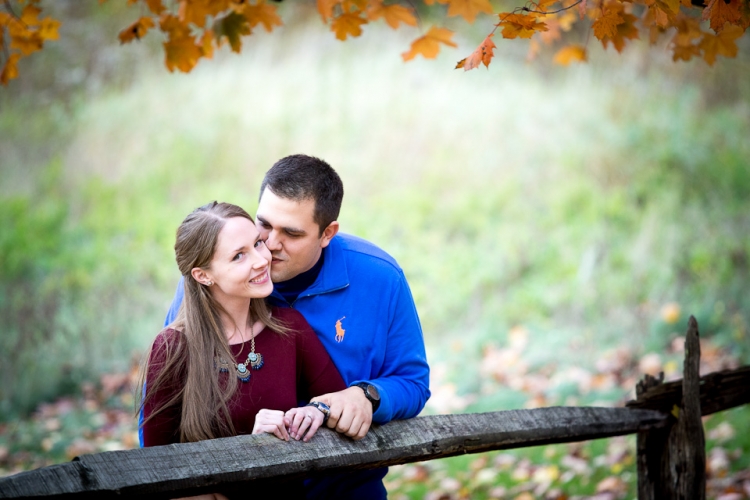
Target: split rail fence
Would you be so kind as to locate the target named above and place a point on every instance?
(665, 416)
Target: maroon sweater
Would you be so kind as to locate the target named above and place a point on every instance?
(296, 368)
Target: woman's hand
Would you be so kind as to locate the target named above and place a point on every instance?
(303, 422)
(272, 422)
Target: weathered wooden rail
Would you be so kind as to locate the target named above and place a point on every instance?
(671, 450)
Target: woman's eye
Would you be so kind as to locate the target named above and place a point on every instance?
(258, 243)
(238, 256)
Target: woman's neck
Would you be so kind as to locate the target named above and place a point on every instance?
(235, 318)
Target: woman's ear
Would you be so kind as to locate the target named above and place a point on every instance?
(201, 276)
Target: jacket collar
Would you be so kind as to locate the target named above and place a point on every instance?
(333, 275)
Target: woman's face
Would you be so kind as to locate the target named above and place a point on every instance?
(240, 267)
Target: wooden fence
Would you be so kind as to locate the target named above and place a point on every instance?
(666, 417)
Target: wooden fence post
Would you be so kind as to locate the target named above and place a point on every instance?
(672, 460)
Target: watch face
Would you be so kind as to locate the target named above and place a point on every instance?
(372, 392)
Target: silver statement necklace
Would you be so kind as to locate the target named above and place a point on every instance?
(254, 360)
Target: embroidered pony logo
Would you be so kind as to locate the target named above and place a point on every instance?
(340, 330)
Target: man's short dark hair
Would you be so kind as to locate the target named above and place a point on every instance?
(302, 177)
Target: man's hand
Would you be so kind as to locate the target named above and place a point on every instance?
(351, 412)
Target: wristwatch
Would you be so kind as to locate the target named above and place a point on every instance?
(324, 409)
(371, 393)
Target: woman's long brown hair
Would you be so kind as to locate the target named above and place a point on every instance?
(190, 362)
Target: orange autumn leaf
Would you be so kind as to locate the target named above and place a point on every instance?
(348, 24)
(136, 30)
(393, 14)
(722, 44)
(432, 2)
(625, 30)
(181, 53)
(197, 11)
(10, 70)
(429, 45)
(26, 41)
(482, 55)
(155, 6)
(206, 44)
(48, 29)
(232, 27)
(569, 54)
(30, 15)
(606, 25)
(721, 12)
(468, 8)
(325, 8)
(520, 25)
(262, 13)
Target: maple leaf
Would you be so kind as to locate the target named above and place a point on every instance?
(606, 25)
(136, 30)
(155, 6)
(483, 55)
(10, 70)
(232, 27)
(348, 24)
(684, 52)
(25, 40)
(520, 25)
(722, 44)
(173, 27)
(569, 54)
(394, 14)
(429, 44)
(468, 8)
(325, 8)
(206, 44)
(197, 11)
(262, 13)
(30, 15)
(48, 29)
(624, 30)
(181, 53)
(721, 12)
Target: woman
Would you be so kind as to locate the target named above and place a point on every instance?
(229, 364)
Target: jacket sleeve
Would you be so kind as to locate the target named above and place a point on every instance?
(176, 303)
(404, 381)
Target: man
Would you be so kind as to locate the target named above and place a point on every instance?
(355, 297)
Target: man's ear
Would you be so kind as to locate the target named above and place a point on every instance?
(201, 276)
(328, 233)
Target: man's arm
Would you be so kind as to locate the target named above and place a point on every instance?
(403, 381)
(176, 302)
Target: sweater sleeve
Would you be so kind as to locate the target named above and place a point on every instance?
(316, 372)
(161, 427)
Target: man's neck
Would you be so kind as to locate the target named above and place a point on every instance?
(292, 288)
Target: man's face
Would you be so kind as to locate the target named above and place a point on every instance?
(291, 234)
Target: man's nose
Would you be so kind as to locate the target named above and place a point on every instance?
(272, 242)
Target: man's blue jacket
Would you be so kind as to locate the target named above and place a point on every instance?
(363, 312)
